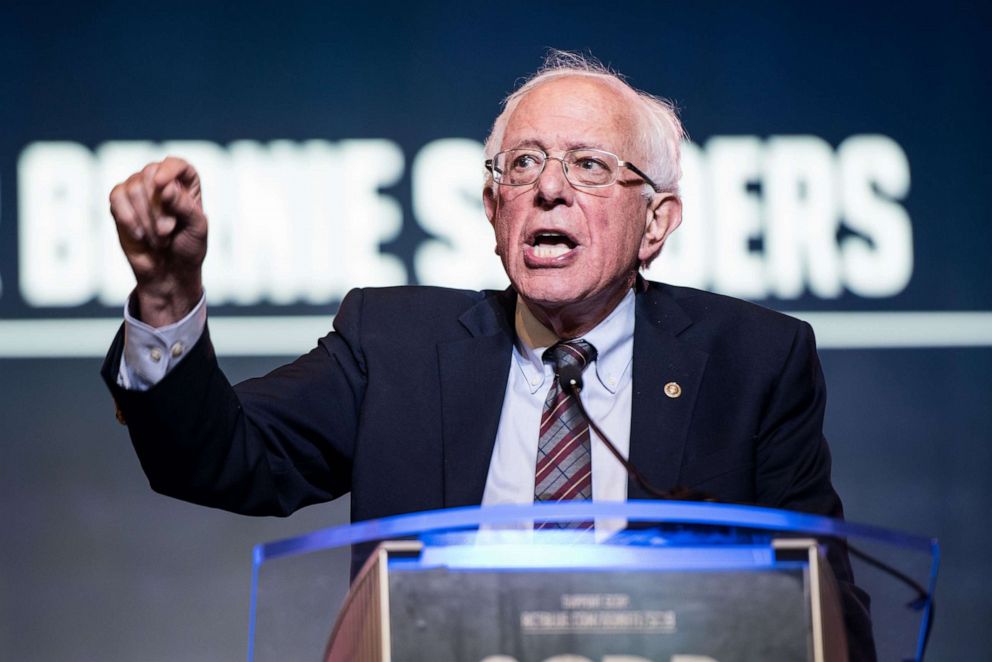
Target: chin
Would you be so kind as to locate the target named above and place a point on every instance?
(551, 294)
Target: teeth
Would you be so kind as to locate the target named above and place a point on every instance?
(550, 250)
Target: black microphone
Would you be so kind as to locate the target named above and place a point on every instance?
(570, 379)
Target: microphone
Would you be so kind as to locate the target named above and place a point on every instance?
(570, 380)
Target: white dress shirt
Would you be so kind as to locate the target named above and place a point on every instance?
(606, 394)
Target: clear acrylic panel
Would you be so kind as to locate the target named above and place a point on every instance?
(300, 584)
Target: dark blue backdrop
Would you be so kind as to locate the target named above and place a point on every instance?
(94, 566)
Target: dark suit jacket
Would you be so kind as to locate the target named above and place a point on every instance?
(400, 406)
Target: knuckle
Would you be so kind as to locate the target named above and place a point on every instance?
(135, 195)
(123, 219)
(135, 187)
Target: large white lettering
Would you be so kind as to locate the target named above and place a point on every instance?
(734, 170)
(447, 201)
(295, 222)
(289, 222)
(789, 215)
(369, 217)
(874, 173)
(56, 232)
(801, 218)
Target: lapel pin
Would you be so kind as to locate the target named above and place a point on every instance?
(673, 390)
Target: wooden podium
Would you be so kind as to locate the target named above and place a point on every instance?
(660, 582)
(699, 604)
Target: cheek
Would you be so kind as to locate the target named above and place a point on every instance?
(503, 230)
(621, 234)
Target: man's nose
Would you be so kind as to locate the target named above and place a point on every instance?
(553, 186)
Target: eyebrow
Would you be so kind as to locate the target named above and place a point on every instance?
(525, 144)
(532, 142)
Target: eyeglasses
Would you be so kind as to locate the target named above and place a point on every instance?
(592, 168)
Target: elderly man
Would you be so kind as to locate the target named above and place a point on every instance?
(425, 398)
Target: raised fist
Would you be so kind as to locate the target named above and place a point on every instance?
(163, 231)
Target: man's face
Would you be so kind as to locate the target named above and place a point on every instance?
(572, 250)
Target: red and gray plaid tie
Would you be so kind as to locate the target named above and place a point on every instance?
(564, 460)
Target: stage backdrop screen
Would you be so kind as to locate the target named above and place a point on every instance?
(835, 169)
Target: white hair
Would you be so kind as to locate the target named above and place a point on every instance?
(660, 130)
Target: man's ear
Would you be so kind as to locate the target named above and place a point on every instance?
(664, 214)
(489, 201)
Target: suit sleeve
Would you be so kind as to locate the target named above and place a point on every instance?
(267, 446)
(792, 456)
(793, 472)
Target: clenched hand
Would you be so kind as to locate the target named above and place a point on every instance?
(163, 231)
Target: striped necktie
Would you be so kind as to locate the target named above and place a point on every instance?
(564, 460)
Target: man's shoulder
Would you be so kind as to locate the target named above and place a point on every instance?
(424, 300)
(724, 320)
(415, 310)
(701, 304)
(407, 294)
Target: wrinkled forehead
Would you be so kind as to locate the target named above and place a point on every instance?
(576, 111)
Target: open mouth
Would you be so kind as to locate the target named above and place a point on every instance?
(551, 244)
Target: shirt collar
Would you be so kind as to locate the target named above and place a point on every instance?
(613, 339)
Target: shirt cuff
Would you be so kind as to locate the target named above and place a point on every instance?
(151, 353)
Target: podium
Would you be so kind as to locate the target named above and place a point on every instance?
(652, 581)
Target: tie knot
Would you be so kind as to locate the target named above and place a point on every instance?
(577, 353)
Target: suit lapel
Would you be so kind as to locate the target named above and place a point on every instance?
(473, 375)
(660, 423)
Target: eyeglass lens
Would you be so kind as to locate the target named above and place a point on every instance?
(583, 167)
